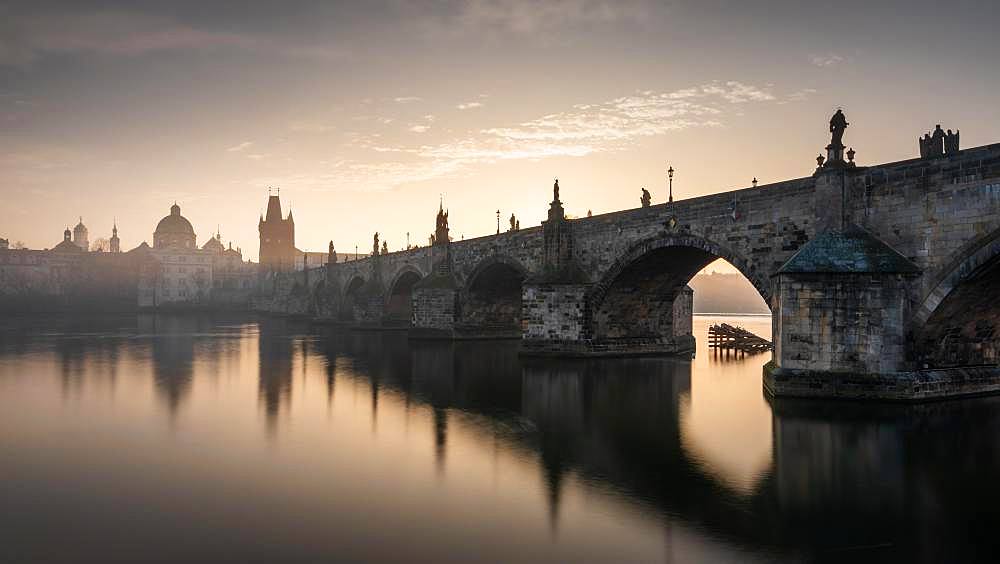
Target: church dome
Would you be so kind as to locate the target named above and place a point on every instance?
(174, 230)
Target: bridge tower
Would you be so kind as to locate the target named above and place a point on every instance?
(277, 238)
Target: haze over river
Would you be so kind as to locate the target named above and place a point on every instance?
(230, 438)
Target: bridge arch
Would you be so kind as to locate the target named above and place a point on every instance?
(491, 298)
(643, 298)
(957, 322)
(352, 295)
(324, 297)
(637, 251)
(399, 295)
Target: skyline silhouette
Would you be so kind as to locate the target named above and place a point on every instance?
(364, 114)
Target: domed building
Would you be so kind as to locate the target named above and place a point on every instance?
(81, 236)
(174, 231)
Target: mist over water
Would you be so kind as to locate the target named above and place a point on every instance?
(233, 438)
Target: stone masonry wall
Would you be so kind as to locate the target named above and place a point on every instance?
(554, 312)
(434, 308)
(683, 312)
(933, 211)
(841, 323)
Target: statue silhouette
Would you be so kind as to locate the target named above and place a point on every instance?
(838, 123)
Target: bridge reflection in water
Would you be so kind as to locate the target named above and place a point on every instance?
(318, 445)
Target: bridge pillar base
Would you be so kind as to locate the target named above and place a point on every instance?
(556, 323)
(680, 346)
(434, 312)
(914, 386)
(839, 321)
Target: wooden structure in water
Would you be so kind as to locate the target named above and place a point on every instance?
(724, 336)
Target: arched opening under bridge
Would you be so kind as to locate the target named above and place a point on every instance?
(964, 328)
(645, 303)
(399, 302)
(352, 296)
(492, 304)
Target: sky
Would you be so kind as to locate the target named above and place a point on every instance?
(365, 114)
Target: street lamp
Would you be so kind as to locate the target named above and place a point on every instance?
(498, 222)
(670, 176)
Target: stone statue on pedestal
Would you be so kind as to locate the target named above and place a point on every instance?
(375, 245)
(646, 198)
(925, 145)
(838, 124)
(937, 142)
(555, 191)
(951, 142)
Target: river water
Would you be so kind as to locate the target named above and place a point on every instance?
(229, 438)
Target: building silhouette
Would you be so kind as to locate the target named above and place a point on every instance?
(277, 238)
(174, 231)
(115, 244)
(81, 236)
(171, 273)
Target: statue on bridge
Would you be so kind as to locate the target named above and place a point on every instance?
(938, 143)
(925, 145)
(838, 123)
(513, 223)
(375, 245)
(951, 142)
(646, 198)
(385, 247)
(555, 191)
(331, 254)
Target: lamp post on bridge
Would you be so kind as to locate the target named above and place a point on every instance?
(670, 177)
(498, 222)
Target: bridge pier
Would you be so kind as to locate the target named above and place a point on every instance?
(558, 321)
(839, 321)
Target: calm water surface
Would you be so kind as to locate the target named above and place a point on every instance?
(215, 438)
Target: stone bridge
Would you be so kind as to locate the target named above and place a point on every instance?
(882, 280)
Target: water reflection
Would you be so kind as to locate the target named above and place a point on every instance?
(390, 449)
(274, 346)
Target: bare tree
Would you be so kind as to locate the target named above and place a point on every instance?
(101, 244)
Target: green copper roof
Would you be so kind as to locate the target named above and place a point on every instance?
(853, 250)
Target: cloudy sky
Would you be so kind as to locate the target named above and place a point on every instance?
(365, 112)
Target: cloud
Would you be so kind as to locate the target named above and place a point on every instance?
(827, 60)
(406, 99)
(306, 127)
(239, 147)
(614, 123)
(469, 105)
(584, 129)
(25, 38)
(529, 16)
(800, 95)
